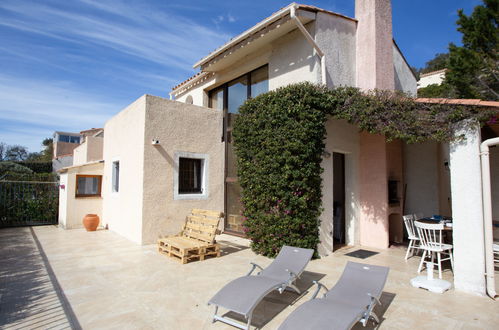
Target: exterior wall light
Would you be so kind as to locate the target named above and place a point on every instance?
(155, 142)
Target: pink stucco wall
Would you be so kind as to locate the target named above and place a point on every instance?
(374, 56)
(373, 191)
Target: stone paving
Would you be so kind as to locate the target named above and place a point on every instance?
(55, 278)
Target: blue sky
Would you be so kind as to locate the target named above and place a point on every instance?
(71, 65)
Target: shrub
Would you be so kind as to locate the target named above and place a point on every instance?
(13, 168)
(37, 167)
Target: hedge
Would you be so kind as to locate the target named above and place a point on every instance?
(37, 167)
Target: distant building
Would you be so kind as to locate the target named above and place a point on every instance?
(65, 143)
(431, 78)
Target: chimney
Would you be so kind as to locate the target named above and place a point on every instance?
(374, 45)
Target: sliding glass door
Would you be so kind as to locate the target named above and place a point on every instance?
(229, 97)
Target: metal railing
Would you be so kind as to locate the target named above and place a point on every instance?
(28, 203)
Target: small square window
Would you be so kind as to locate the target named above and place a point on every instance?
(116, 176)
(88, 185)
(190, 176)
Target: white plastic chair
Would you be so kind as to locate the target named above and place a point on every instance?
(430, 236)
(412, 235)
(495, 247)
(418, 216)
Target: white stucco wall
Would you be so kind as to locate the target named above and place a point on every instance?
(293, 60)
(421, 178)
(63, 199)
(435, 78)
(343, 138)
(404, 78)
(80, 154)
(124, 141)
(72, 209)
(179, 128)
(467, 213)
(336, 38)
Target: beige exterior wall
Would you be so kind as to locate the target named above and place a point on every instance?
(124, 141)
(145, 207)
(291, 59)
(64, 148)
(72, 209)
(88, 151)
(179, 128)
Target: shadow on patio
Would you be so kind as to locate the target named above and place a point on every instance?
(30, 295)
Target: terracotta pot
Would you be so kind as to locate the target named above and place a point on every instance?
(90, 222)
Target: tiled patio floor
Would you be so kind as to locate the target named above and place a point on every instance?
(50, 277)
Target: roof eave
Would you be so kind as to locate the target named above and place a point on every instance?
(281, 13)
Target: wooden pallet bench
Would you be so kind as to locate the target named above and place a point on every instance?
(196, 241)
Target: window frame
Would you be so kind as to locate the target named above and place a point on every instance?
(197, 181)
(113, 190)
(204, 194)
(99, 186)
(225, 87)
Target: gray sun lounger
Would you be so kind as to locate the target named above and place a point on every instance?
(352, 299)
(243, 294)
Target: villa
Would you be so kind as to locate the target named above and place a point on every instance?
(161, 158)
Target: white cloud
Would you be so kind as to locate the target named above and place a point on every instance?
(140, 32)
(37, 108)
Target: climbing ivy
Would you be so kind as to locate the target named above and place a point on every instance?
(279, 140)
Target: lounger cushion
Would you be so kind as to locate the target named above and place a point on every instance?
(242, 294)
(321, 314)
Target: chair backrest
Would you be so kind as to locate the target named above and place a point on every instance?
(357, 281)
(409, 226)
(290, 258)
(430, 234)
(202, 225)
(418, 216)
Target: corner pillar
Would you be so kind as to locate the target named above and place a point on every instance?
(467, 212)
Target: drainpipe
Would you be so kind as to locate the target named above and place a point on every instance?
(311, 41)
(487, 215)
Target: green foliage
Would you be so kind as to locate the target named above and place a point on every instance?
(30, 203)
(13, 168)
(439, 62)
(37, 166)
(473, 68)
(434, 90)
(278, 139)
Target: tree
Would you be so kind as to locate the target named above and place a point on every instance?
(16, 153)
(473, 68)
(48, 152)
(434, 90)
(439, 62)
(3, 150)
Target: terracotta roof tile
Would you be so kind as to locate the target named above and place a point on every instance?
(432, 72)
(475, 102)
(187, 80)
